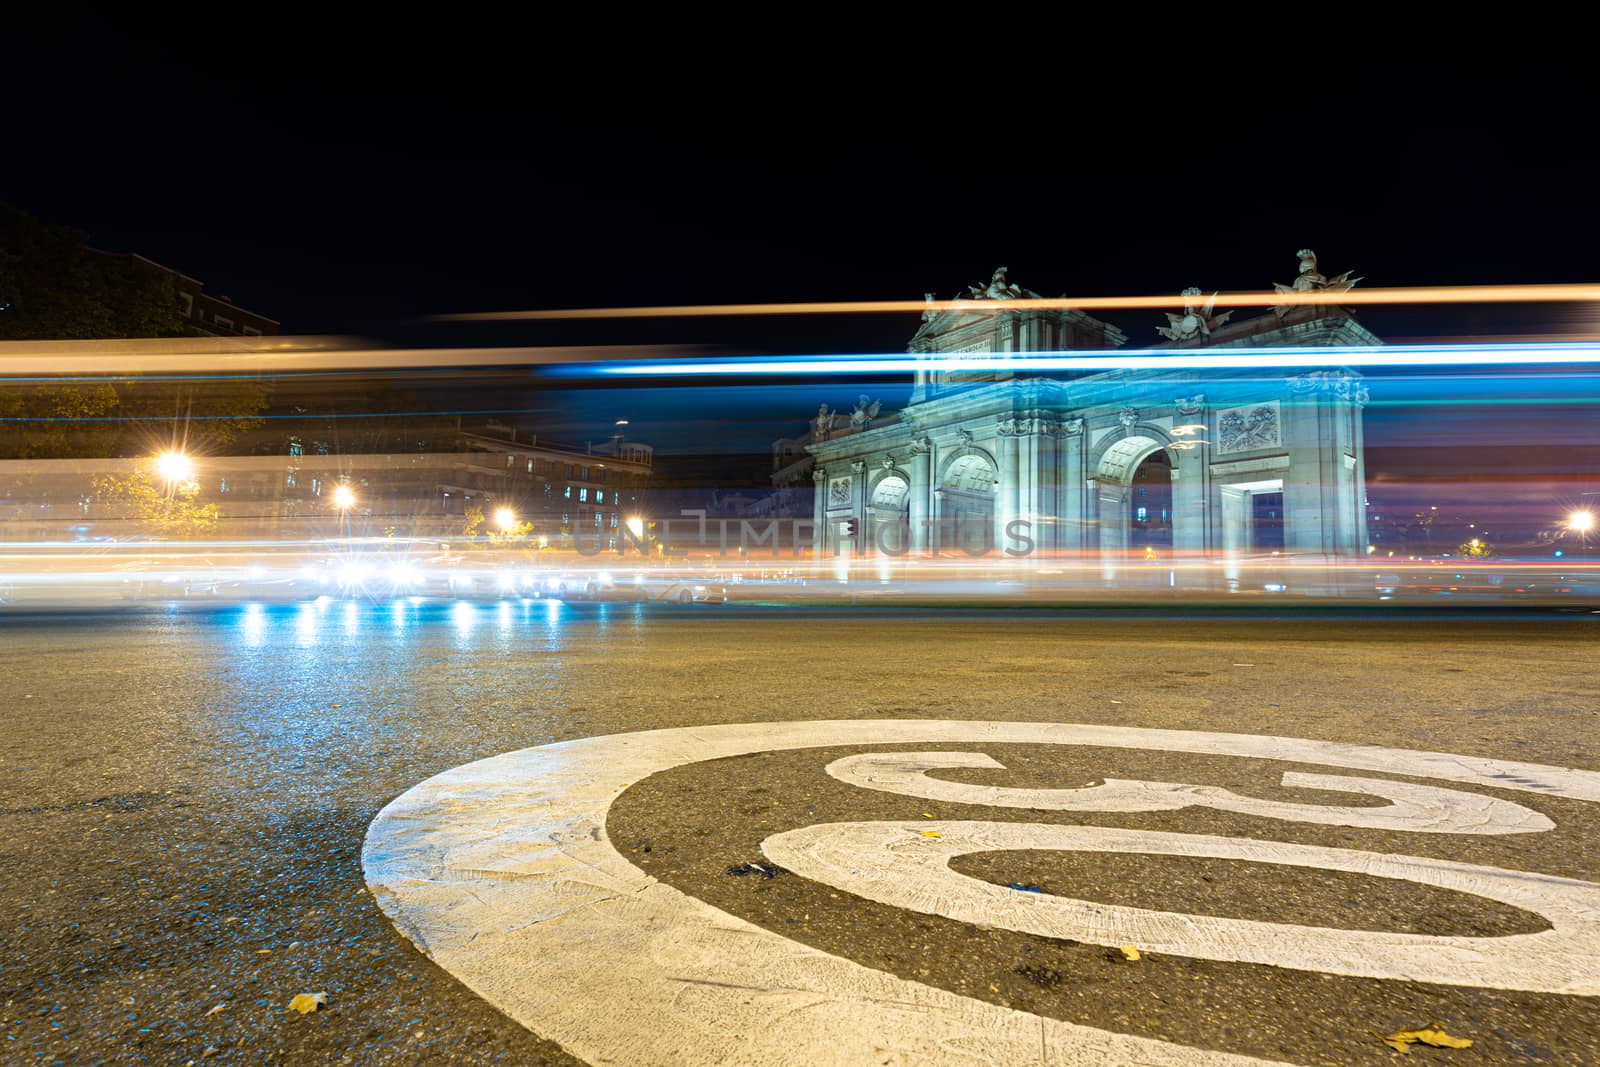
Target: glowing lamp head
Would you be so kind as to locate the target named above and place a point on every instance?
(1581, 521)
(506, 519)
(175, 467)
(636, 526)
(344, 497)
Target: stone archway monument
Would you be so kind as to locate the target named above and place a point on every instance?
(1047, 465)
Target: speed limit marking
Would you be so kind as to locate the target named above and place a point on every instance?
(501, 871)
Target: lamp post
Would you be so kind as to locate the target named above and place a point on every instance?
(1580, 523)
(176, 469)
(344, 498)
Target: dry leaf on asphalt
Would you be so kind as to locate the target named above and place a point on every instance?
(218, 1008)
(1430, 1035)
(307, 1002)
(1131, 952)
(930, 833)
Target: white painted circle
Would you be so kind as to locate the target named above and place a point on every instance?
(894, 863)
(501, 872)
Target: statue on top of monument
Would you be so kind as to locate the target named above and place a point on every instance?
(1312, 280)
(1197, 319)
(866, 410)
(822, 425)
(998, 289)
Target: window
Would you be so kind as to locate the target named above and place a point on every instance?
(186, 304)
(599, 519)
(583, 493)
(566, 491)
(295, 448)
(1142, 514)
(250, 331)
(613, 520)
(316, 487)
(599, 496)
(223, 486)
(289, 481)
(586, 474)
(530, 466)
(223, 321)
(510, 460)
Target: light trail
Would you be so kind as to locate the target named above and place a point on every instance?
(1330, 358)
(1450, 294)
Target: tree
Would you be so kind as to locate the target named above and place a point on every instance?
(54, 287)
(1476, 549)
(166, 512)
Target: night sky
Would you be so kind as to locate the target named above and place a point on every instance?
(358, 191)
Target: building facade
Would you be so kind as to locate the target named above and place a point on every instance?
(1104, 466)
(216, 316)
(573, 497)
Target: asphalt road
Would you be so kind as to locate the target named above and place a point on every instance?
(183, 800)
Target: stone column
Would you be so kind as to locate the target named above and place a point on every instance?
(1070, 491)
(1005, 503)
(921, 490)
(819, 512)
(858, 508)
(1190, 488)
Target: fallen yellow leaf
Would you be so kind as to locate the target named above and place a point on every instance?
(930, 833)
(1130, 951)
(308, 1002)
(1431, 1035)
(218, 1008)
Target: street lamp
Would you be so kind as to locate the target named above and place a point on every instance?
(1580, 523)
(636, 526)
(175, 468)
(506, 519)
(344, 498)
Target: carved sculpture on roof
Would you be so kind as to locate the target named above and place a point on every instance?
(998, 289)
(866, 410)
(822, 425)
(927, 311)
(1197, 320)
(1312, 280)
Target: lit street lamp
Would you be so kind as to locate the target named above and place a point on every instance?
(175, 468)
(1580, 523)
(344, 498)
(506, 519)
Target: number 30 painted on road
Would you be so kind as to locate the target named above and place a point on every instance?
(501, 871)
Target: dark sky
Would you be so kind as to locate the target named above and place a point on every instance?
(355, 190)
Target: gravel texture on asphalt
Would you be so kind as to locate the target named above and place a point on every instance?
(183, 799)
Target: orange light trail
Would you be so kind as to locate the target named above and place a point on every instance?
(1455, 294)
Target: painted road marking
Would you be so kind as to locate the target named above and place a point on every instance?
(501, 871)
(890, 862)
(1418, 808)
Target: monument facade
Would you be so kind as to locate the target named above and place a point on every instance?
(1107, 466)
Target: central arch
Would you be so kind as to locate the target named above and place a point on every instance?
(1134, 478)
(888, 507)
(966, 502)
